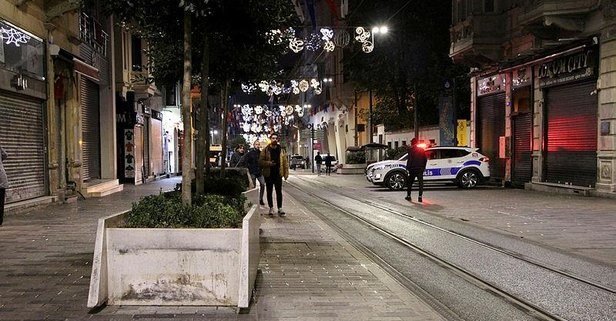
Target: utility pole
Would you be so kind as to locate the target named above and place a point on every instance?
(311, 146)
(415, 117)
(370, 119)
(355, 117)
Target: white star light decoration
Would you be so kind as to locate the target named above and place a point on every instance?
(329, 40)
(15, 36)
(260, 119)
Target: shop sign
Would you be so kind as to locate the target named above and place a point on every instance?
(566, 69)
(139, 119)
(491, 85)
(129, 153)
(521, 77)
(157, 115)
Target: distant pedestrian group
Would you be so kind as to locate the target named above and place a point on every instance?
(328, 160)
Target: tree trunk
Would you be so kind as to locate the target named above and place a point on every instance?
(203, 139)
(186, 114)
(225, 109)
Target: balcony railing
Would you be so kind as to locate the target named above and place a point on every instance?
(91, 32)
(481, 34)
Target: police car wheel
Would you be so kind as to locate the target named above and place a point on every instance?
(468, 179)
(396, 181)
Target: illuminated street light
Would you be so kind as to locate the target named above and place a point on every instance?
(380, 30)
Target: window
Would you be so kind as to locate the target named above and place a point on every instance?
(404, 143)
(389, 145)
(433, 154)
(136, 54)
(488, 5)
(396, 144)
(170, 96)
(453, 153)
(21, 51)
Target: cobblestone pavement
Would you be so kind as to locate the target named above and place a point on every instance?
(308, 271)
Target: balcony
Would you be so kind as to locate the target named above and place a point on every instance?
(554, 19)
(477, 40)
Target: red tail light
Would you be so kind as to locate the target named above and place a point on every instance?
(422, 146)
(485, 159)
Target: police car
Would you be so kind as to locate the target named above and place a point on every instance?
(464, 166)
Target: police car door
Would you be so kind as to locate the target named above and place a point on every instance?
(433, 167)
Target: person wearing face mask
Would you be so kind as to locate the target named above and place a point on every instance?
(275, 167)
(251, 161)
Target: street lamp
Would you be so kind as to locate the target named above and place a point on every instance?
(212, 133)
(382, 30)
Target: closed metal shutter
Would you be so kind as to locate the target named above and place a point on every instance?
(490, 126)
(90, 130)
(146, 149)
(22, 137)
(522, 150)
(156, 146)
(572, 135)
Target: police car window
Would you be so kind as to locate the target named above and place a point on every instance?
(452, 153)
(433, 154)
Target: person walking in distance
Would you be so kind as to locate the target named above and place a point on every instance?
(251, 161)
(317, 161)
(415, 166)
(4, 182)
(328, 164)
(275, 166)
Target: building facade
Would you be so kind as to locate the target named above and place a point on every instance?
(56, 100)
(543, 94)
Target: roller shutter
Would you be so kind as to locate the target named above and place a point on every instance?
(146, 149)
(490, 126)
(22, 137)
(522, 149)
(156, 146)
(90, 130)
(571, 144)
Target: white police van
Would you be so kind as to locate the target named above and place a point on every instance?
(461, 165)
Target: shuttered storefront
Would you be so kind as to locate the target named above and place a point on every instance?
(90, 129)
(22, 136)
(156, 150)
(571, 156)
(490, 126)
(146, 149)
(522, 149)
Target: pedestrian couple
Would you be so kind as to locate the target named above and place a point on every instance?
(328, 163)
(268, 166)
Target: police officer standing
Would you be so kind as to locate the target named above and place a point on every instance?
(415, 166)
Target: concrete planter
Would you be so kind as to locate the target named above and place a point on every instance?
(208, 267)
(352, 169)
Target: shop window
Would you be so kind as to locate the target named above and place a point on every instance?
(21, 51)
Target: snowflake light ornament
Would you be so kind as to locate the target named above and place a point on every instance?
(258, 110)
(329, 46)
(289, 110)
(15, 36)
(263, 85)
(314, 83)
(318, 91)
(296, 45)
(298, 108)
(327, 34)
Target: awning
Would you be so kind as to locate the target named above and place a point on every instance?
(375, 145)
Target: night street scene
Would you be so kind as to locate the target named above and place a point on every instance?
(308, 160)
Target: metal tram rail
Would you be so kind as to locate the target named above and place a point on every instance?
(521, 303)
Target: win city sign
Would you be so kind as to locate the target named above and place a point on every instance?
(577, 66)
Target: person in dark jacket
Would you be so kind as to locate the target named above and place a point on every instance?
(237, 155)
(317, 162)
(251, 161)
(328, 164)
(415, 166)
(275, 166)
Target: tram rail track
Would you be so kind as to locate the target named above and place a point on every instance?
(520, 302)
